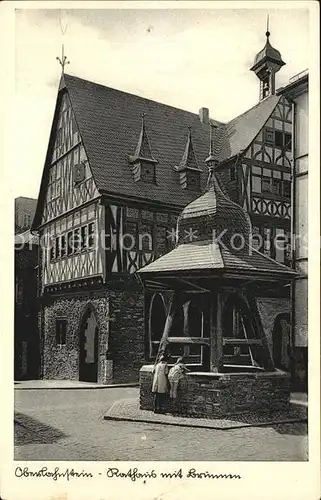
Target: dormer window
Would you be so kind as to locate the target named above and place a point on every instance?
(193, 180)
(189, 172)
(142, 161)
(148, 172)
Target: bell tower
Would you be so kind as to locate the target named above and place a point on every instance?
(266, 64)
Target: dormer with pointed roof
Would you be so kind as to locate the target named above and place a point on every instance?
(142, 161)
(188, 169)
(266, 64)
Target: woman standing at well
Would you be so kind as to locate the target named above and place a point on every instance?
(160, 384)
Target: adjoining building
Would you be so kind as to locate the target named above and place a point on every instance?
(297, 93)
(26, 334)
(26, 340)
(119, 170)
(24, 212)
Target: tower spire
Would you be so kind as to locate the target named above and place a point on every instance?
(266, 64)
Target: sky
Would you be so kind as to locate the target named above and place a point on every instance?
(187, 58)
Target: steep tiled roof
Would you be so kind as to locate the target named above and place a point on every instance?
(213, 256)
(243, 129)
(110, 123)
(222, 230)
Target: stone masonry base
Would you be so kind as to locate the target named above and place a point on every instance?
(212, 395)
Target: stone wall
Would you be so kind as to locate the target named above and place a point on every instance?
(120, 316)
(127, 332)
(211, 395)
(62, 361)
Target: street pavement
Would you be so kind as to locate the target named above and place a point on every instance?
(68, 424)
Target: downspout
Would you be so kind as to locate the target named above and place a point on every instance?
(293, 241)
(40, 321)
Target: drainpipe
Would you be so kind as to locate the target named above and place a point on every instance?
(40, 318)
(293, 240)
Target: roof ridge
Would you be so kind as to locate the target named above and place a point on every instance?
(228, 124)
(139, 96)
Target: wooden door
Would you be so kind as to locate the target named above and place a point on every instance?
(88, 352)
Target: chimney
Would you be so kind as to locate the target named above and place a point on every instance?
(204, 115)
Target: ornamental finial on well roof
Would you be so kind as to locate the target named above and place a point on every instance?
(212, 160)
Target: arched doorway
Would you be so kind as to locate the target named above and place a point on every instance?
(88, 349)
(281, 342)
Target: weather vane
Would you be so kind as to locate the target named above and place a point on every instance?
(267, 26)
(63, 27)
(63, 60)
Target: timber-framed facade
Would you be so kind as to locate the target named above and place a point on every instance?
(118, 172)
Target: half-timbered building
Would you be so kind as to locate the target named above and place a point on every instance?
(118, 171)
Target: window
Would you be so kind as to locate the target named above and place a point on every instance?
(278, 139)
(279, 244)
(256, 184)
(69, 243)
(145, 237)
(57, 245)
(130, 236)
(52, 249)
(265, 86)
(84, 241)
(266, 185)
(192, 180)
(63, 246)
(232, 173)
(287, 249)
(267, 241)
(76, 242)
(256, 238)
(91, 229)
(148, 172)
(272, 181)
(269, 136)
(283, 140)
(54, 185)
(61, 331)
(287, 189)
(26, 219)
(276, 186)
(288, 141)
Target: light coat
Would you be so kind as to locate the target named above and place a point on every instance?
(177, 372)
(160, 381)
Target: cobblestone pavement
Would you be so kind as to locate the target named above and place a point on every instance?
(69, 425)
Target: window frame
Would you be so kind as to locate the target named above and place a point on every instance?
(61, 336)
